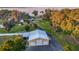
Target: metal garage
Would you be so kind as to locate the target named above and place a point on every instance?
(38, 38)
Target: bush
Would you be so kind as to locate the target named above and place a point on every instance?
(27, 27)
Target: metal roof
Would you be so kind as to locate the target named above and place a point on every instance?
(38, 34)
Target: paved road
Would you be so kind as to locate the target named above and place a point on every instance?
(53, 46)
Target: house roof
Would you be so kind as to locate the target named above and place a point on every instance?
(38, 34)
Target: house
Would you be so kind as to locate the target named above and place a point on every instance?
(38, 38)
(21, 21)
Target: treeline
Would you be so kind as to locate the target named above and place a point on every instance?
(15, 14)
(66, 20)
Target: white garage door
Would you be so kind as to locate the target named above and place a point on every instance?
(32, 44)
(39, 42)
(45, 43)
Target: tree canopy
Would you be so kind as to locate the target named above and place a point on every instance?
(35, 12)
(16, 44)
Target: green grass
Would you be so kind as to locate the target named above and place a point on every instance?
(59, 37)
(3, 30)
(17, 28)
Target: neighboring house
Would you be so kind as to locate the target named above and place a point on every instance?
(38, 38)
(22, 21)
(1, 26)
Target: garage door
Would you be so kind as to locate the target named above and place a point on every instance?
(45, 43)
(39, 42)
(32, 44)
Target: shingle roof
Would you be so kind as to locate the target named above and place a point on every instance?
(38, 34)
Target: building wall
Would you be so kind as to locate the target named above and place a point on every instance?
(38, 42)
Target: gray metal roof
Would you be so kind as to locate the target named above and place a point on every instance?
(38, 34)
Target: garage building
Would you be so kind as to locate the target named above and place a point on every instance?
(38, 38)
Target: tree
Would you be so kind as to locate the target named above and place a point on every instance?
(47, 14)
(41, 12)
(7, 46)
(35, 12)
(20, 43)
(16, 44)
(26, 16)
(67, 20)
(76, 31)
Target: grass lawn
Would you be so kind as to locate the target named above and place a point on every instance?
(59, 37)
